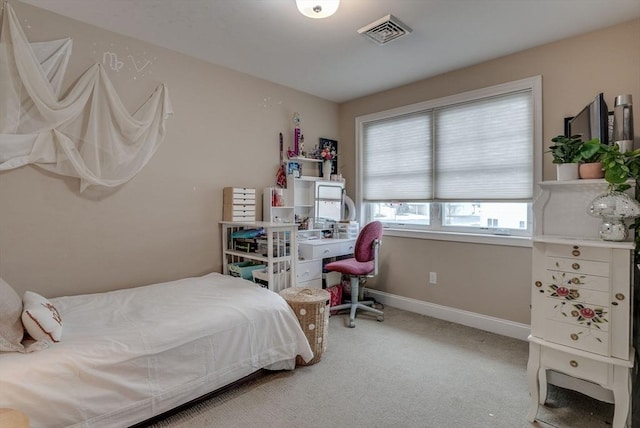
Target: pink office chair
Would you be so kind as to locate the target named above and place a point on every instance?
(364, 264)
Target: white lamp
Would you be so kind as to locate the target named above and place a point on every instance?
(317, 8)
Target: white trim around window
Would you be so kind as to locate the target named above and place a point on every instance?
(532, 85)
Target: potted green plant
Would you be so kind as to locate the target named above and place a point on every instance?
(565, 152)
(620, 167)
(589, 159)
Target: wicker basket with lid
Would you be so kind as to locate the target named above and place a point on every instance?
(311, 306)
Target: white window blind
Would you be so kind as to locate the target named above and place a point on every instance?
(484, 149)
(397, 158)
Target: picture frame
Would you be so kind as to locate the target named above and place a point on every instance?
(333, 146)
(293, 168)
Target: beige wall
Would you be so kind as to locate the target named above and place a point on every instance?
(489, 279)
(163, 224)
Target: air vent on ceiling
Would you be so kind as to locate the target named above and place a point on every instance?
(385, 29)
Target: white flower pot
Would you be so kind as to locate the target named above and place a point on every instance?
(567, 171)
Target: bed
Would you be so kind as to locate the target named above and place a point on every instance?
(126, 356)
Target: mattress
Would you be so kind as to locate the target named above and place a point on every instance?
(131, 354)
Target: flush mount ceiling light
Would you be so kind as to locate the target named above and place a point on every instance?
(317, 8)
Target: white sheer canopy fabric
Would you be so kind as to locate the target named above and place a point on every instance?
(88, 133)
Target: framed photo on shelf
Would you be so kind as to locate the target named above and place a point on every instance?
(332, 147)
(293, 168)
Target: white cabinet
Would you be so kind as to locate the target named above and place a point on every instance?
(275, 248)
(581, 301)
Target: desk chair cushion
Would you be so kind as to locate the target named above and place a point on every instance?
(351, 267)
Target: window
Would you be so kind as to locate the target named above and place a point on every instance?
(465, 163)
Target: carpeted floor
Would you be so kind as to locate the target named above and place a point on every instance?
(408, 371)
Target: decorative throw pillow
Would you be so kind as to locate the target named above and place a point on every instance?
(11, 329)
(40, 318)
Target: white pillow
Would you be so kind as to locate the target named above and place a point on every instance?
(40, 318)
(11, 329)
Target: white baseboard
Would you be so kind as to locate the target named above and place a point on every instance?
(458, 316)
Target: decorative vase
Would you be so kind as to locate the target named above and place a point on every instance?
(326, 169)
(567, 171)
(591, 170)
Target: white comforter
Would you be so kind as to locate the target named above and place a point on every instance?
(128, 355)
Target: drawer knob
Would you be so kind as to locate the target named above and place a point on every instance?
(538, 284)
(575, 253)
(574, 336)
(619, 296)
(575, 266)
(573, 363)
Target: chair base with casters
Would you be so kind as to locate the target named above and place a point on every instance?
(355, 304)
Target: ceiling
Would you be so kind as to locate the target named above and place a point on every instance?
(327, 57)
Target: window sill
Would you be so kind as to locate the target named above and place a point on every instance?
(509, 241)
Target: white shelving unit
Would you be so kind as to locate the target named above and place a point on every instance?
(276, 251)
(581, 301)
(304, 198)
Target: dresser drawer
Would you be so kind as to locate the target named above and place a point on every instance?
(239, 195)
(578, 314)
(325, 248)
(554, 279)
(583, 368)
(577, 266)
(314, 283)
(578, 252)
(591, 340)
(575, 293)
(308, 270)
(348, 247)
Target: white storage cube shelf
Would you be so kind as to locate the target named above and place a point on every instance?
(274, 248)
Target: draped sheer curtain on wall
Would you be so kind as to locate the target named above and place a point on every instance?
(86, 133)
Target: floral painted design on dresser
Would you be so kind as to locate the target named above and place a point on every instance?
(590, 317)
(585, 316)
(561, 287)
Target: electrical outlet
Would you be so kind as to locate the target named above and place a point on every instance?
(433, 278)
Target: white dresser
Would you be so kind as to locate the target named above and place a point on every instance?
(581, 300)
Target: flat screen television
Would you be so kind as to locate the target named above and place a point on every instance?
(591, 122)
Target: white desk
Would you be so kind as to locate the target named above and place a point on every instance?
(311, 254)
